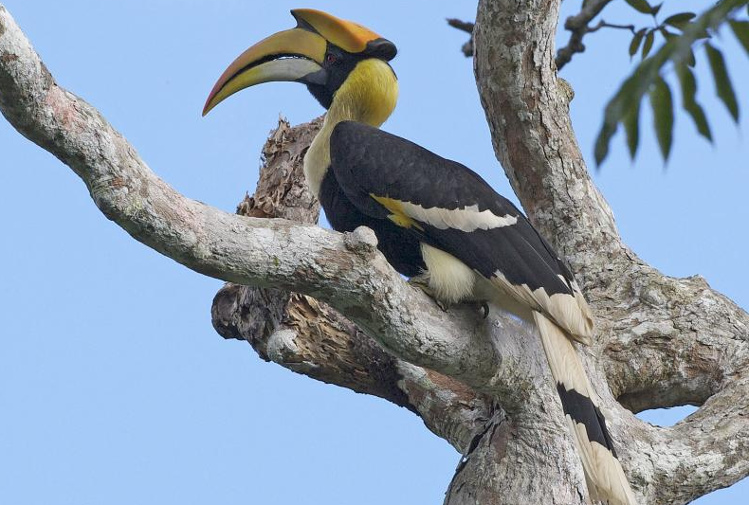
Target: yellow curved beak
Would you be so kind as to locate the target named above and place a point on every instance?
(293, 55)
(285, 56)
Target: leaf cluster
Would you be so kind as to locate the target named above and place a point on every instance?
(676, 53)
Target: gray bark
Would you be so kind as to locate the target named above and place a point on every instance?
(661, 341)
(483, 385)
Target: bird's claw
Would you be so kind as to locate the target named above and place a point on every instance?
(422, 283)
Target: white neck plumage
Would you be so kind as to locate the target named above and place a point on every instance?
(368, 95)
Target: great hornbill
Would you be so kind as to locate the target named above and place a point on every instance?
(434, 218)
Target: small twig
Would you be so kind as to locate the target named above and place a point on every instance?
(578, 26)
(465, 26)
(604, 24)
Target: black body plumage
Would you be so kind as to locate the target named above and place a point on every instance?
(399, 247)
(367, 161)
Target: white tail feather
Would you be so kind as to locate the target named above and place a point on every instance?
(603, 472)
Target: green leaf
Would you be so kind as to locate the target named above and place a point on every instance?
(648, 45)
(741, 30)
(663, 115)
(690, 59)
(640, 6)
(722, 82)
(666, 34)
(676, 50)
(703, 34)
(630, 92)
(680, 20)
(656, 9)
(632, 129)
(636, 41)
(601, 150)
(688, 91)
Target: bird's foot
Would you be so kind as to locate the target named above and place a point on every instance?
(422, 282)
(484, 308)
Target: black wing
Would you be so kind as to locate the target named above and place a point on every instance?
(451, 208)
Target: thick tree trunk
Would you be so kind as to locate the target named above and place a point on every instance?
(661, 341)
(482, 384)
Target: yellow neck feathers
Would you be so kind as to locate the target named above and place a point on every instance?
(368, 95)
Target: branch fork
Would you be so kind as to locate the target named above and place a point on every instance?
(329, 306)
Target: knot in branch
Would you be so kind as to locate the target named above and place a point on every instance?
(361, 241)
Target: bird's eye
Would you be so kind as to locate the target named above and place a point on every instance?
(330, 58)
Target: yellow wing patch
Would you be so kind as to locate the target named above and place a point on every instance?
(398, 215)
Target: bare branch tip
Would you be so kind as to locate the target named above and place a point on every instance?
(361, 241)
(578, 26)
(465, 26)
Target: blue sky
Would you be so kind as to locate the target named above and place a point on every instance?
(114, 388)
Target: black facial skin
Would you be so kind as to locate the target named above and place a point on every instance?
(338, 64)
(335, 68)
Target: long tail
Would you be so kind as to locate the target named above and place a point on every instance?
(603, 472)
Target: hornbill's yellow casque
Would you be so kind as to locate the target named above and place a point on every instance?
(433, 217)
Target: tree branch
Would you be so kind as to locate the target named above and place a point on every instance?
(346, 271)
(309, 337)
(578, 25)
(464, 26)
